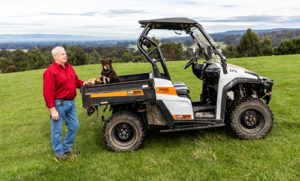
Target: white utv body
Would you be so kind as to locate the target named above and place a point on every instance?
(230, 94)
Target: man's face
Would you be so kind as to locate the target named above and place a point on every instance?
(61, 56)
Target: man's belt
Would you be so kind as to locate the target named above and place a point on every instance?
(62, 101)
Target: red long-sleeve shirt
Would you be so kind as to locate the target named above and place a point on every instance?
(60, 83)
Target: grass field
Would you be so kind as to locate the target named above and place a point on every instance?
(12, 50)
(133, 46)
(26, 150)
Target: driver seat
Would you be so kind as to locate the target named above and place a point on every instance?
(181, 89)
(197, 69)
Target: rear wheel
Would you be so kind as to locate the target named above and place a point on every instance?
(251, 118)
(123, 132)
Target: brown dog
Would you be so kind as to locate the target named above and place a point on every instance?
(108, 75)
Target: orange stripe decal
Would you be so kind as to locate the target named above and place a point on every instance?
(120, 94)
(182, 116)
(166, 90)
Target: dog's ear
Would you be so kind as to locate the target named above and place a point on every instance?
(100, 60)
(111, 60)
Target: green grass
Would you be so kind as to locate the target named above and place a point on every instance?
(221, 44)
(133, 46)
(11, 50)
(26, 152)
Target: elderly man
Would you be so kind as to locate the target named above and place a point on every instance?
(60, 83)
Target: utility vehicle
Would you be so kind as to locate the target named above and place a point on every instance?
(230, 94)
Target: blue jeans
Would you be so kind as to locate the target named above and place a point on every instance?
(68, 113)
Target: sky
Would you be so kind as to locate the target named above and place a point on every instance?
(118, 19)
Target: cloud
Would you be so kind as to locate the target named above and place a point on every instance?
(123, 12)
(253, 18)
(72, 14)
(197, 3)
(230, 6)
(190, 2)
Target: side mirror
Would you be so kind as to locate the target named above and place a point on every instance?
(194, 50)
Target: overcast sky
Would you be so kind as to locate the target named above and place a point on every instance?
(118, 19)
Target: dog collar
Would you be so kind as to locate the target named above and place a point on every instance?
(106, 72)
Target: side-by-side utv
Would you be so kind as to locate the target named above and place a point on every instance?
(230, 94)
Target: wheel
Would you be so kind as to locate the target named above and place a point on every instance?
(251, 118)
(123, 132)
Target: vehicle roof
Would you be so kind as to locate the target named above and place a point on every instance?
(169, 23)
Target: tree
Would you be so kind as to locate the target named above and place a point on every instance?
(266, 47)
(48, 58)
(288, 47)
(250, 44)
(172, 51)
(80, 56)
(72, 55)
(65, 47)
(179, 50)
(155, 53)
(93, 58)
(10, 69)
(3, 64)
(188, 43)
(189, 53)
(4, 53)
(127, 57)
(231, 51)
(19, 56)
(169, 51)
(36, 60)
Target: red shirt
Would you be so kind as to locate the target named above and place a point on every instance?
(60, 83)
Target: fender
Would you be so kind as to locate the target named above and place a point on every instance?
(232, 83)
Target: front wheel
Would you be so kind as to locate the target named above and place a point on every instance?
(251, 119)
(123, 132)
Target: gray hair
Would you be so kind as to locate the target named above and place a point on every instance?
(55, 50)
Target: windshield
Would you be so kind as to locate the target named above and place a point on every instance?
(206, 45)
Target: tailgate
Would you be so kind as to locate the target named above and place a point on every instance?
(117, 93)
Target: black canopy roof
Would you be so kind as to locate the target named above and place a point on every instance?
(169, 23)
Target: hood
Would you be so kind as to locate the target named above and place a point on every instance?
(237, 67)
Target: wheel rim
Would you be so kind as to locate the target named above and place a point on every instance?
(123, 134)
(251, 121)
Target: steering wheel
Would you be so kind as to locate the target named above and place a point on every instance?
(191, 62)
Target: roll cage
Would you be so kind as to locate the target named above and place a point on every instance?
(181, 24)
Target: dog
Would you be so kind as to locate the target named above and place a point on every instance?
(108, 75)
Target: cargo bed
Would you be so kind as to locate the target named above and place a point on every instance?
(132, 88)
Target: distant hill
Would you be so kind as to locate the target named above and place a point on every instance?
(241, 32)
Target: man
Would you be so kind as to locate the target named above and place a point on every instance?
(60, 83)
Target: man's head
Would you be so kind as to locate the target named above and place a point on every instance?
(59, 54)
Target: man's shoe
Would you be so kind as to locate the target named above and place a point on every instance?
(62, 156)
(73, 152)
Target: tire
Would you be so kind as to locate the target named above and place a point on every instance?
(251, 118)
(123, 132)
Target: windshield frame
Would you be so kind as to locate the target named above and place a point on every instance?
(207, 42)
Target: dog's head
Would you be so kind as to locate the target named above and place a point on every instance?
(106, 63)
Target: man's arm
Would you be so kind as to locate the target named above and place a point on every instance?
(49, 93)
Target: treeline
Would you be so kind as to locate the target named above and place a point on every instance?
(41, 57)
(250, 46)
(275, 36)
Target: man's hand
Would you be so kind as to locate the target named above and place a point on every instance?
(54, 114)
(90, 82)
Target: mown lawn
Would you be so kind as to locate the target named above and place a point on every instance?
(26, 151)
